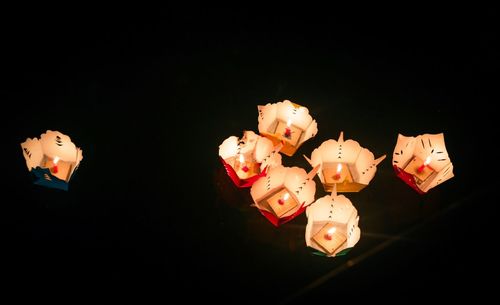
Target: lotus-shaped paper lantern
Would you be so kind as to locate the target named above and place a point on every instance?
(332, 225)
(287, 123)
(422, 162)
(248, 158)
(345, 164)
(284, 193)
(52, 159)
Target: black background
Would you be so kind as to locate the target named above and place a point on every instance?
(149, 96)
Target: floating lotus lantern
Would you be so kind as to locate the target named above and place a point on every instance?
(332, 225)
(345, 164)
(422, 162)
(287, 123)
(284, 193)
(248, 158)
(52, 159)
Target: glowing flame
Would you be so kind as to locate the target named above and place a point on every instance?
(242, 159)
(289, 122)
(427, 160)
(285, 198)
(339, 168)
(56, 159)
(331, 231)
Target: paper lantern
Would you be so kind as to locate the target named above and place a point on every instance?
(332, 225)
(284, 193)
(288, 123)
(345, 164)
(248, 158)
(422, 162)
(52, 159)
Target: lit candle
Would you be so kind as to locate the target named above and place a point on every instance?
(288, 130)
(285, 198)
(54, 168)
(329, 233)
(242, 161)
(339, 170)
(426, 162)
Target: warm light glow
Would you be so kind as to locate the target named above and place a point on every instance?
(331, 231)
(289, 122)
(242, 159)
(339, 168)
(427, 160)
(56, 159)
(286, 196)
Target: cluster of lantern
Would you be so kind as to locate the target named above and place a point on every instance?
(282, 193)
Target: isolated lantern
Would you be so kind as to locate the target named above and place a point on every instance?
(422, 162)
(52, 159)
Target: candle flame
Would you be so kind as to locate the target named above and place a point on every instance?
(286, 196)
(339, 168)
(331, 231)
(289, 122)
(56, 159)
(242, 159)
(427, 160)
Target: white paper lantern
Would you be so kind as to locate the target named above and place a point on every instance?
(332, 225)
(52, 159)
(287, 123)
(345, 164)
(247, 159)
(422, 162)
(284, 193)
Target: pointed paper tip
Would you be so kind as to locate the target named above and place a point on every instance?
(334, 190)
(380, 159)
(313, 172)
(341, 137)
(308, 160)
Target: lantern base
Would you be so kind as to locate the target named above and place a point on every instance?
(336, 239)
(408, 179)
(63, 171)
(417, 169)
(287, 149)
(279, 221)
(340, 253)
(237, 180)
(344, 187)
(246, 170)
(43, 177)
(278, 204)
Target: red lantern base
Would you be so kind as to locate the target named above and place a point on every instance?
(279, 221)
(408, 179)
